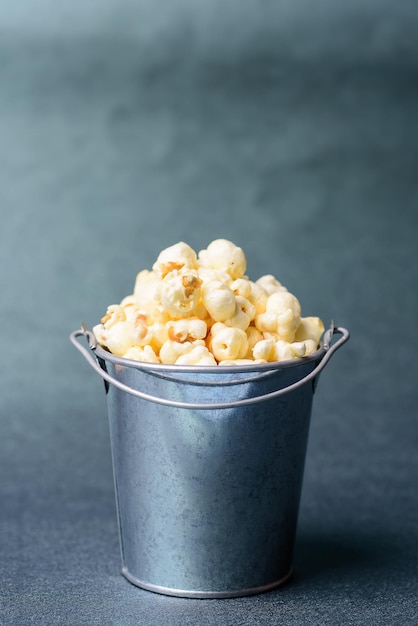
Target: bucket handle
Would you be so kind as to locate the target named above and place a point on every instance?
(329, 351)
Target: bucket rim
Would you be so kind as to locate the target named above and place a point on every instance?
(319, 359)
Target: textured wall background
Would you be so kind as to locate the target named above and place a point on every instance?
(290, 128)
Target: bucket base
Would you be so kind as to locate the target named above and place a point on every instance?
(181, 593)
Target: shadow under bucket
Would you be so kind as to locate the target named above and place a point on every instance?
(208, 466)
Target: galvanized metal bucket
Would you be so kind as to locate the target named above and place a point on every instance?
(208, 466)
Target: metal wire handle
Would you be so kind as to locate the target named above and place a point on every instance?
(329, 350)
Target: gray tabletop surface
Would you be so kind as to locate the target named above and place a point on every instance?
(290, 128)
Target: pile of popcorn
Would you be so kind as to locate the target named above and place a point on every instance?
(201, 309)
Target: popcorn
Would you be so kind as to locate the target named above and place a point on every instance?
(114, 332)
(246, 307)
(114, 314)
(226, 342)
(311, 346)
(252, 292)
(258, 297)
(244, 312)
(179, 294)
(117, 339)
(242, 287)
(224, 255)
(146, 354)
(187, 330)
(171, 350)
(159, 335)
(177, 257)
(198, 355)
(264, 349)
(146, 285)
(253, 336)
(219, 300)
(141, 333)
(283, 350)
(281, 301)
(270, 284)
(202, 309)
(206, 274)
(310, 328)
(282, 315)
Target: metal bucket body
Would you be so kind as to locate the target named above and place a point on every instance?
(208, 466)
(208, 499)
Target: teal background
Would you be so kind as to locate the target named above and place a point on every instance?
(290, 128)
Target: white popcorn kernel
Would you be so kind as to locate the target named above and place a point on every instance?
(114, 313)
(284, 351)
(157, 313)
(242, 317)
(266, 322)
(311, 346)
(241, 362)
(216, 328)
(198, 355)
(114, 330)
(171, 350)
(246, 307)
(145, 288)
(219, 300)
(145, 354)
(188, 329)
(159, 335)
(270, 284)
(100, 334)
(130, 307)
(280, 301)
(310, 328)
(253, 335)
(228, 343)
(144, 328)
(177, 257)
(286, 325)
(180, 294)
(141, 330)
(282, 315)
(258, 297)
(117, 338)
(264, 349)
(148, 326)
(239, 320)
(128, 301)
(267, 335)
(206, 275)
(202, 313)
(241, 287)
(224, 255)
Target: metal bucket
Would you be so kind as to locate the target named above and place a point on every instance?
(208, 465)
